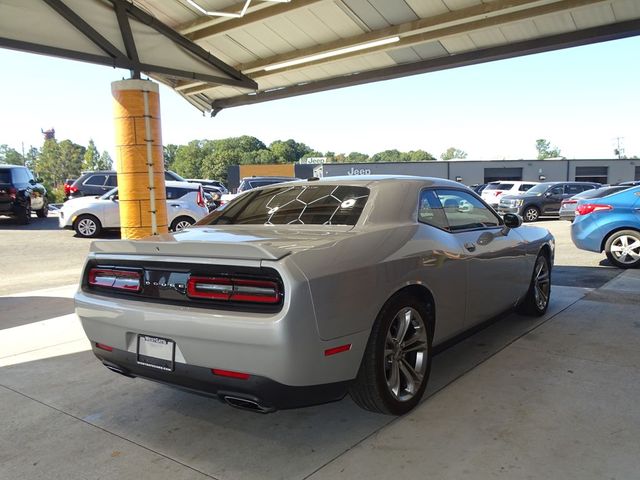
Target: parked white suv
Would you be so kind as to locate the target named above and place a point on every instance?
(494, 190)
(89, 216)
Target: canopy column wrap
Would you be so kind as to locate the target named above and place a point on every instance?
(139, 158)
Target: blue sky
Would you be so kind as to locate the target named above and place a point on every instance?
(580, 99)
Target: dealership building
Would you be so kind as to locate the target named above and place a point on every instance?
(469, 172)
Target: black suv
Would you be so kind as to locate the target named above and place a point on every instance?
(543, 199)
(21, 193)
(101, 181)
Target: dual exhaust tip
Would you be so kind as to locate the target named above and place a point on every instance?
(246, 404)
(232, 400)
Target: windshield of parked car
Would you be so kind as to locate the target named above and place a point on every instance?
(499, 186)
(113, 191)
(539, 189)
(294, 205)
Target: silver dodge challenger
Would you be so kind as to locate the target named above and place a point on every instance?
(299, 293)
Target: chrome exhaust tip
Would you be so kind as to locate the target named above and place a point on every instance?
(246, 404)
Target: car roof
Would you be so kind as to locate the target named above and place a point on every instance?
(176, 184)
(9, 167)
(369, 180)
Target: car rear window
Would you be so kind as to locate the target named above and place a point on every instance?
(5, 176)
(290, 205)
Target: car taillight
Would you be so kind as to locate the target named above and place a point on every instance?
(12, 193)
(73, 189)
(567, 202)
(587, 208)
(200, 198)
(116, 279)
(497, 193)
(233, 289)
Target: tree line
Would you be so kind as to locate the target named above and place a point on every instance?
(211, 158)
(56, 162)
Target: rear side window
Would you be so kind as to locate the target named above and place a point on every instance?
(174, 193)
(505, 186)
(574, 189)
(291, 205)
(525, 186)
(430, 210)
(96, 180)
(20, 175)
(464, 211)
(112, 181)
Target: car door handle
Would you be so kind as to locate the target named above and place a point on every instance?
(470, 246)
(174, 205)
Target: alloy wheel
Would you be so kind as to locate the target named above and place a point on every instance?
(626, 249)
(541, 283)
(182, 225)
(87, 227)
(406, 354)
(531, 215)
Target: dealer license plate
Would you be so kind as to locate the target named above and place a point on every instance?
(156, 352)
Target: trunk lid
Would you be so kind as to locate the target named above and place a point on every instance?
(251, 242)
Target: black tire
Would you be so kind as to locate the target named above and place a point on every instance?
(371, 389)
(621, 248)
(24, 216)
(536, 301)
(531, 214)
(177, 222)
(44, 211)
(87, 226)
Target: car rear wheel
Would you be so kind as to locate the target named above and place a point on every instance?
(536, 301)
(24, 216)
(87, 226)
(623, 249)
(397, 361)
(530, 214)
(181, 223)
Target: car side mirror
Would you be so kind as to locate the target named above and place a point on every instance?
(512, 220)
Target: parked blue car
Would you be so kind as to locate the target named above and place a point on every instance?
(611, 224)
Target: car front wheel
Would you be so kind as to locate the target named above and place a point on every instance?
(87, 226)
(530, 214)
(623, 249)
(396, 364)
(537, 298)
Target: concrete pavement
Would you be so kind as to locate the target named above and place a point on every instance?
(554, 397)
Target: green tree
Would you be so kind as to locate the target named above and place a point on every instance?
(47, 162)
(104, 162)
(31, 158)
(356, 157)
(169, 152)
(288, 151)
(11, 156)
(188, 159)
(544, 149)
(91, 157)
(453, 153)
(388, 156)
(418, 156)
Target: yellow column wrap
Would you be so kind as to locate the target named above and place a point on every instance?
(139, 158)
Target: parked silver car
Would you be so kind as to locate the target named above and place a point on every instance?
(298, 293)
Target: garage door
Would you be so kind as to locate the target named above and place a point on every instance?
(495, 174)
(592, 174)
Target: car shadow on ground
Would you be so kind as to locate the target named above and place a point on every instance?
(587, 277)
(47, 223)
(17, 311)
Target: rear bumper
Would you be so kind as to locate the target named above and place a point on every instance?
(267, 394)
(586, 234)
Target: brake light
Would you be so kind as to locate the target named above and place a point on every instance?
(12, 193)
(587, 208)
(116, 279)
(233, 289)
(73, 189)
(66, 189)
(497, 193)
(567, 202)
(200, 198)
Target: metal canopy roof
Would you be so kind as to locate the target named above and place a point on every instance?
(302, 46)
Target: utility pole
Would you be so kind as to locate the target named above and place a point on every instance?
(619, 150)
